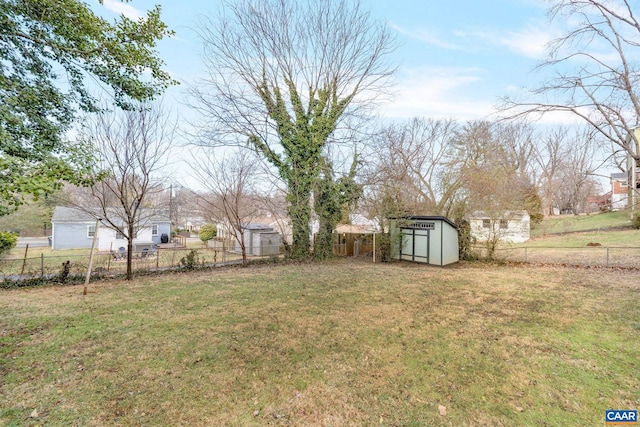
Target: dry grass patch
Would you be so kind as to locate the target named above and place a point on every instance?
(340, 343)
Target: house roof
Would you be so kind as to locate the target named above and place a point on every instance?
(619, 176)
(519, 214)
(70, 214)
(359, 219)
(67, 214)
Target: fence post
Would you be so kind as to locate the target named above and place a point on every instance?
(374, 247)
(24, 261)
(158, 259)
(110, 256)
(42, 265)
(526, 256)
(607, 256)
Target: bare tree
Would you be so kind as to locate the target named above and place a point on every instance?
(496, 175)
(131, 151)
(549, 155)
(283, 77)
(232, 184)
(596, 73)
(415, 160)
(576, 174)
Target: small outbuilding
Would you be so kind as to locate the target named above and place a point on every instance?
(425, 239)
(259, 240)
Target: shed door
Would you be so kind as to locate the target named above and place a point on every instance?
(415, 245)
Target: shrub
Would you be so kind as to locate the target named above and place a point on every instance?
(465, 240)
(384, 247)
(636, 220)
(8, 241)
(208, 232)
(190, 261)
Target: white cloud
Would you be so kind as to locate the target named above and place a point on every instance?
(125, 9)
(531, 41)
(437, 92)
(425, 36)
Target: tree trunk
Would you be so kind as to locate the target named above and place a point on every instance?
(130, 252)
(299, 211)
(323, 246)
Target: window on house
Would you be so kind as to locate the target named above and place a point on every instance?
(154, 230)
(504, 223)
(91, 230)
(486, 223)
(119, 235)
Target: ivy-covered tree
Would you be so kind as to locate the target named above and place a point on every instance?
(331, 198)
(283, 76)
(49, 50)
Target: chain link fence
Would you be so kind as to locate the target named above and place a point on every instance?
(62, 267)
(590, 256)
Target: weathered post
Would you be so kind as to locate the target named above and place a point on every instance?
(24, 261)
(93, 245)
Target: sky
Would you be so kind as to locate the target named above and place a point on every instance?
(456, 58)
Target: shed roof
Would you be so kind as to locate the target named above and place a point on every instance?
(355, 229)
(428, 218)
(256, 226)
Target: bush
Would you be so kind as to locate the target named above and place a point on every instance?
(208, 232)
(8, 241)
(636, 220)
(384, 247)
(190, 261)
(465, 240)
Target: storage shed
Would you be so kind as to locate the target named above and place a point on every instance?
(259, 240)
(425, 239)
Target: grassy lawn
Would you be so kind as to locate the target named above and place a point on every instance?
(605, 239)
(341, 343)
(573, 223)
(620, 238)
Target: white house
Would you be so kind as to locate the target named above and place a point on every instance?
(74, 228)
(626, 185)
(619, 191)
(633, 168)
(506, 226)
